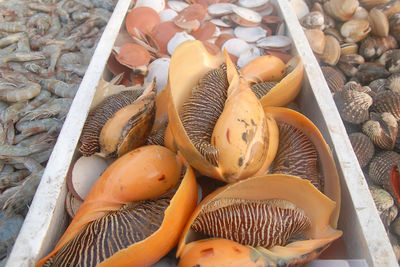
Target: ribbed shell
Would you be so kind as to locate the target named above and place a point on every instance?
(363, 148)
(380, 166)
(388, 101)
(296, 155)
(378, 85)
(353, 105)
(261, 89)
(334, 78)
(265, 223)
(388, 216)
(393, 82)
(111, 233)
(382, 129)
(201, 111)
(156, 136)
(383, 200)
(368, 71)
(99, 116)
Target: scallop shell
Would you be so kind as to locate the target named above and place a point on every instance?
(252, 3)
(177, 6)
(382, 129)
(248, 56)
(334, 77)
(363, 147)
(147, 183)
(380, 167)
(258, 190)
(393, 82)
(388, 101)
(158, 69)
(250, 34)
(275, 42)
(177, 39)
(353, 105)
(141, 19)
(157, 5)
(168, 15)
(235, 46)
(247, 14)
(220, 9)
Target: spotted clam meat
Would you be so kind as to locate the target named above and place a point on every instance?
(237, 220)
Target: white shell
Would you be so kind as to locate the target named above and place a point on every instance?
(250, 34)
(280, 30)
(247, 14)
(157, 5)
(274, 41)
(252, 3)
(158, 69)
(177, 6)
(168, 14)
(300, 8)
(85, 172)
(217, 32)
(235, 46)
(248, 56)
(227, 30)
(220, 9)
(267, 11)
(220, 23)
(178, 38)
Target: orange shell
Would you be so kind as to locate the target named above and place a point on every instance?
(162, 33)
(302, 193)
(133, 55)
(144, 173)
(263, 69)
(142, 18)
(205, 32)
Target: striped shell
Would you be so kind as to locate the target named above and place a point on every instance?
(385, 204)
(369, 71)
(334, 77)
(237, 220)
(363, 147)
(388, 101)
(353, 105)
(296, 155)
(382, 129)
(261, 89)
(380, 166)
(393, 82)
(378, 85)
(98, 117)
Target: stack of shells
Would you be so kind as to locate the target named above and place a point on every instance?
(45, 47)
(154, 28)
(357, 45)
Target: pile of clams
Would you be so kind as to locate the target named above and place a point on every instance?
(212, 164)
(357, 45)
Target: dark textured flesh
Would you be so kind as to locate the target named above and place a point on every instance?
(201, 111)
(296, 155)
(261, 89)
(99, 116)
(265, 223)
(156, 136)
(111, 233)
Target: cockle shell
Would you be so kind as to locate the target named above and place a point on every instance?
(384, 204)
(382, 129)
(369, 71)
(380, 167)
(143, 177)
(334, 78)
(388, 101)
(259, 190)
(363, 148)
(378, 85)
(353, 105)
(393, 82)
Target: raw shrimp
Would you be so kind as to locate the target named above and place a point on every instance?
(12, 26)
(23, 56)
(60, 88)
(29, 91)
(70, 58)
(75, 68)
(12, 179)
(7, 151)
(38, 126)
(40, 157)
(28, 139)
(10, 39)
(41, 7)
(9, 229)
(57, 107)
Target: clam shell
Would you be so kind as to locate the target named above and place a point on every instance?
(331, 52)
(250, 34)
(162, 34)
(361, 13)
(394, 26)
(353, 59)
(250, 190)
(363, 148)
(353, 105)
(341, 9)
(380, 166)
(373, 47)
(388, 101)
(369, 71)
(313, 20)
(348, 48)
(300, 8)
(391, 60)
(334, 77)
(379, 22)
(382, 129)
(355, 30)
(316, 39)
(368, 4)
(348, 69)
(389, 215)
(393, 82)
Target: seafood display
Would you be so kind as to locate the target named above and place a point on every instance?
(192, 114)
(45, 48)
(357, 45)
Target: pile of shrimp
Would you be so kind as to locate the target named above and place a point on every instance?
(45, 48)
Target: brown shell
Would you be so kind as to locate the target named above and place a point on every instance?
(281, 220)
(363, 147)
(394, 23)
(98, 117)
(388, 101)
(391, 60)
(378, 85)
(261, 89)
(374, 46)
(369, 71)
(334, 77)
(380, 166)
(296, 155)
(353, 105)
(382, 129)
(393, 82)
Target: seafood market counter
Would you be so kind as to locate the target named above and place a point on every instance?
(364, 240)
